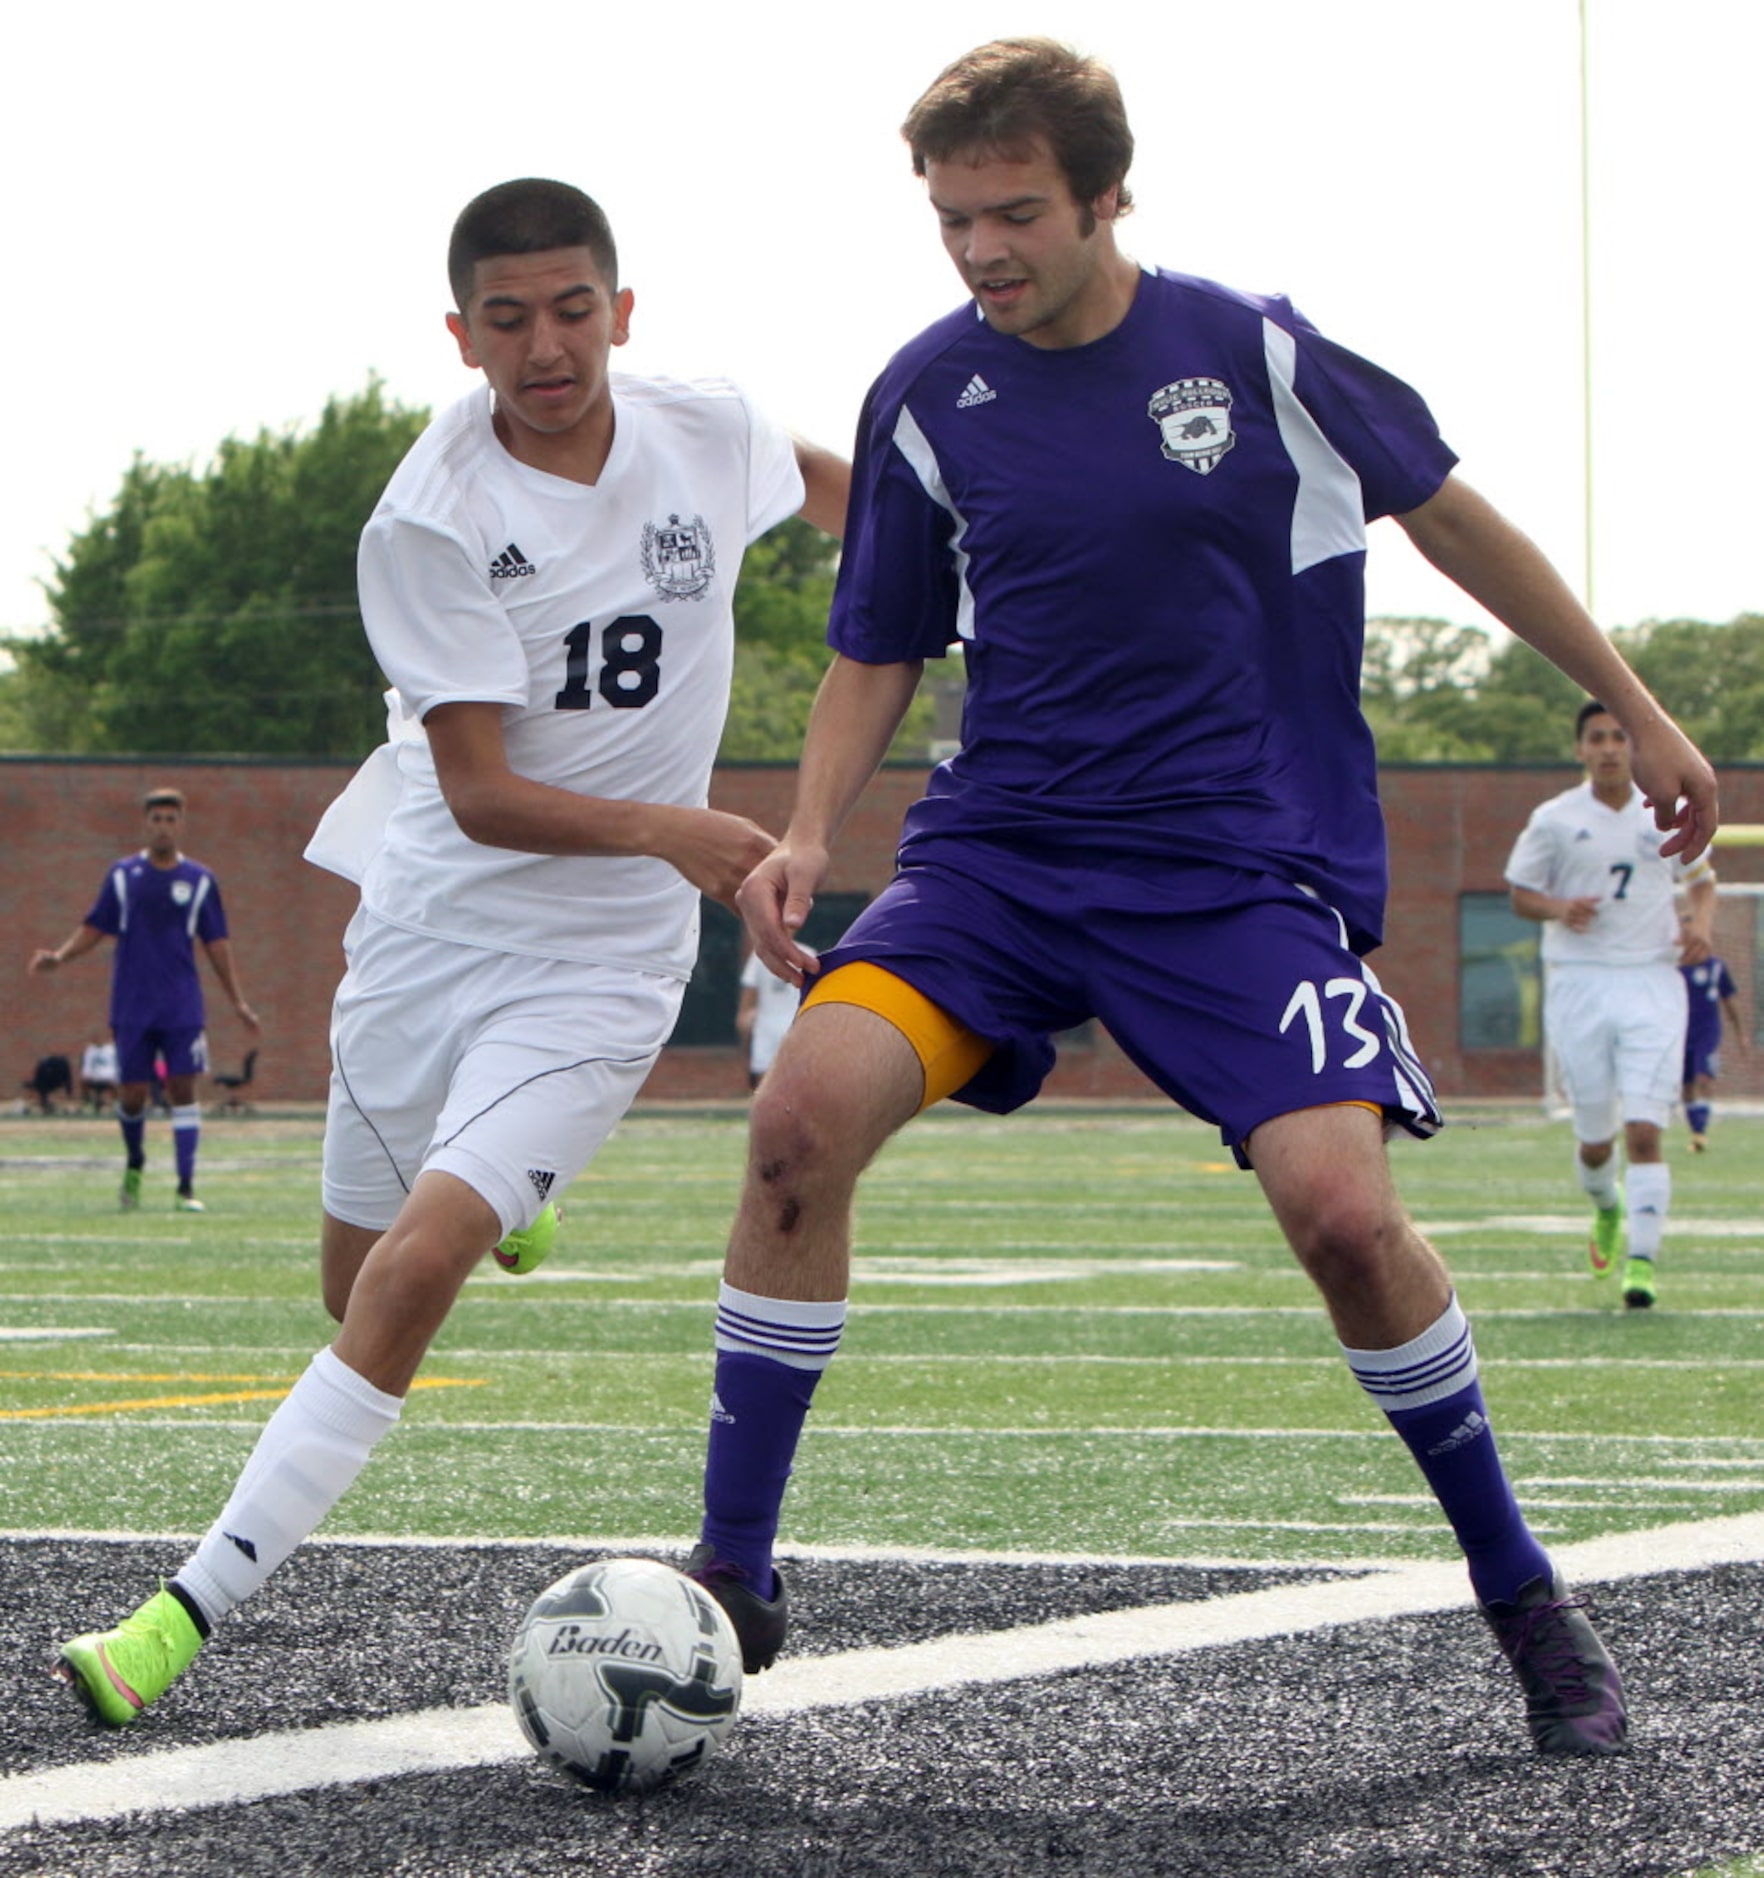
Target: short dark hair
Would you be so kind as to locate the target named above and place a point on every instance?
(1005, 94)
(1591, 708)
(163, 799)
(528, 216)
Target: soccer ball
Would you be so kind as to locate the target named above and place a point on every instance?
(625, 1672)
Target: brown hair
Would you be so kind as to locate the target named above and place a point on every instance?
(1004, 95)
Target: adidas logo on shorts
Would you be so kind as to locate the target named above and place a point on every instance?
(542, 1179)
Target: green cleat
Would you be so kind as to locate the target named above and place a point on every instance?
(116, 1673)
(1605, 1246)
(1639, 1290)
(522, 1251)
(129, 1196)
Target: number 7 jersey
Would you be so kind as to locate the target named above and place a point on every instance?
(599, 617)
(1575, 847)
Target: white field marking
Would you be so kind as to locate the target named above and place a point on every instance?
(433, 1740)
(1575, 1226)
(1665, 1481)
(700, 1307)
(50, 1333)
(205, 1425)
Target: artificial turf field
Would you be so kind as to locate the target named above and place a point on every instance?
(1102, 1563)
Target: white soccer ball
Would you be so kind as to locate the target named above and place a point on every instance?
(625, 1672)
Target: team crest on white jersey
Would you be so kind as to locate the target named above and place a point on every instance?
(1194, 415)
(679, 557)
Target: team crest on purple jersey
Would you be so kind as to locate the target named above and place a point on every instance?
(1194, 415)
(181, 890)
(679, 558)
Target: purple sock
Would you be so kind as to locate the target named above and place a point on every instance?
(134, 1134)
(757, 1413)
(186, 1133)
(1429, 1389)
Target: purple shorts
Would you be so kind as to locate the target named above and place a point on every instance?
(138, 1052)
(1235, 992)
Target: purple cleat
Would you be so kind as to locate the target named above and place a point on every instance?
(1573, 1693)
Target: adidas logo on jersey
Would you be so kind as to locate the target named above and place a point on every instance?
(510, 564)
(977, 391)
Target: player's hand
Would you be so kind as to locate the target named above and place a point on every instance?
(1693, 948)
(249, 1018)
(44, 960)
(775, 900)
(716, 851)
(1678, 784)
(1578, 915)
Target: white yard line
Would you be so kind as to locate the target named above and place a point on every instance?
(434, 1740)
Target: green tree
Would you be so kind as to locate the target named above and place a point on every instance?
(781, 605)
(214, 611)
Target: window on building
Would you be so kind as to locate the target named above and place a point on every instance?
(1500, 983)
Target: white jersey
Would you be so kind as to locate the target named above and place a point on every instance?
(774, 1011)
(599, 617)
(1575, 847)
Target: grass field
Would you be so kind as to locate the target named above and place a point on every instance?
(1073, 1332)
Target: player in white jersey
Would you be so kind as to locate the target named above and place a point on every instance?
(547, 582)
(1588, 865)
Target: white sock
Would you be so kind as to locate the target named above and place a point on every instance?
(305, 1460)
(1649, 1191)
(1599, 1182)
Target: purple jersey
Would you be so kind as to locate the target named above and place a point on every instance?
(1152, 549)
(1707, 983)
(156, 915)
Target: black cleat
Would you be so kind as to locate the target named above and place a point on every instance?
(760, 1623)
(1573, 1694)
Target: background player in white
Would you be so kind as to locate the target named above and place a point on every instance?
(763, 1014)
(1590, 865)
(158, 905)
(1139, 500)
(547, 581)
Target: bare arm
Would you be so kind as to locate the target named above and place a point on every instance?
(856, 713)
(220, 956)
(75, 946)
(1471, 543)
(1576, 915)
(496, 806)
(827, 480)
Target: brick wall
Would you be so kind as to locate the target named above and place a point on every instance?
(1450, 831)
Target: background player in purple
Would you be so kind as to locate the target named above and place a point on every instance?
(156, 905)
(1713, 996)
(1138, 501)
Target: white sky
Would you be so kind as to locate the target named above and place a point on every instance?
(222, 215)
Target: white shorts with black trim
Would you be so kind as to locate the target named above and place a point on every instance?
(1618, 1035)
(505, 1071)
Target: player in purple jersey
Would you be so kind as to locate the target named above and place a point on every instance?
(1138, 502)
(157, 905)
(1713, 996)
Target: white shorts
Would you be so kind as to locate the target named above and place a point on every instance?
(504, 1071)
(1618, 1035)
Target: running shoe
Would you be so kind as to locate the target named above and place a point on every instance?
(1605, 1246)
(1639, 1290)
(521, 1251)
(188, 1203)
(760, 1623)
(1573, 1694)
(116, 1673)
(129, 1195)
